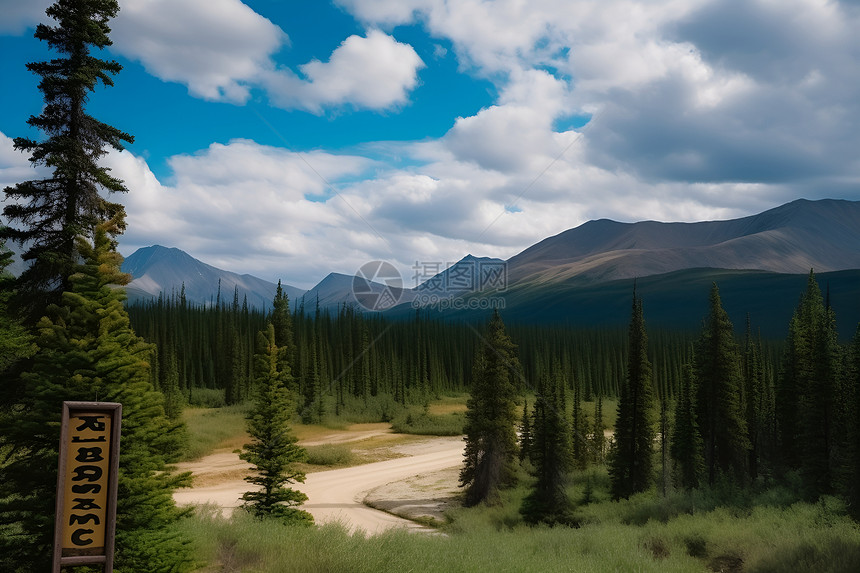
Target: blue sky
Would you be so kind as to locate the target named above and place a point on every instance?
(290, 139)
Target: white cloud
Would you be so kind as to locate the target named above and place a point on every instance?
(373, 72)
(215, 47)
(701, 109)
(222, 50)
(685, 90)
(516, 135)
(230, 201)
(270, 212)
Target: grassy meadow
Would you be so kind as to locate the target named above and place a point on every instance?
(645, 533)
(764, 529)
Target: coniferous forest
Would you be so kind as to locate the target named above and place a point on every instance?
(729, 405)
(572, 436)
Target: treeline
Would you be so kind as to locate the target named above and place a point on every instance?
(348, 353)
(739, 418)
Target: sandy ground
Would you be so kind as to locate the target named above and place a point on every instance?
(422, 483)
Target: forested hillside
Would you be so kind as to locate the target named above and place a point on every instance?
(349, 353)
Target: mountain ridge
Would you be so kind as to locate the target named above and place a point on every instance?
(158, 270)
(791, 238)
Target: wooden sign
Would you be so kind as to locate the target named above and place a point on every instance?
(87, 484)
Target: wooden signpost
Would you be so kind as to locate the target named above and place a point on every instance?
(87, 485)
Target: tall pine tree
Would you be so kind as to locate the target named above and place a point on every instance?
(547, 502)
(90, 353)
(686, 445)
(490, 428)
(853, 409)
(720, 416)
(56, 210)
(809, 389)
(273, 450)
(630, 468)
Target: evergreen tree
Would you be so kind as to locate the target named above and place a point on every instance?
(853, 410)
(631, 456)
(282, 321)
(491, 440)
(809, 386)
(88, 352)
(580, 448)
(686, 446)
(720, 417)
(547, 502)
(273, 450)
(16, 344)
(754, 397)
(68, 203)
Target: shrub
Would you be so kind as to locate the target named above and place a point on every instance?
(329, 455)
(429, 425)
(207, 398)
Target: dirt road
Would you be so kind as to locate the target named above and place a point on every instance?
(333, 495)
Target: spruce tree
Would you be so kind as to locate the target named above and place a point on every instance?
(490, 428)
(853, 411)
(547, 502)
(69, 203)
(282, 321)
(631, 461)
(686, 446)
(580, 448)
(88, 352)
(809, 390)
(754, 396)
(273, 450)
(720, 417)
(16, 344)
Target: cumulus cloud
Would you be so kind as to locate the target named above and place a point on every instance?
(700, 109)
(688, 91)
(372, 72)
(222, 50)
(215, 47)
(233, 199)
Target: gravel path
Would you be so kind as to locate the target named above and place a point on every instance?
(338, 495)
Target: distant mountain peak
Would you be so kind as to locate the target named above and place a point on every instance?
(157, 269)
(791, 238)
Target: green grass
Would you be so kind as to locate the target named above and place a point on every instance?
(207, 398)
(330, 455)
(713, 530)
(213, 428)
(430, 425)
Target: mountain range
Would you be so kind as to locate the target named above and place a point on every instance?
(156, 270)
(584, 276)
(793, 238)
